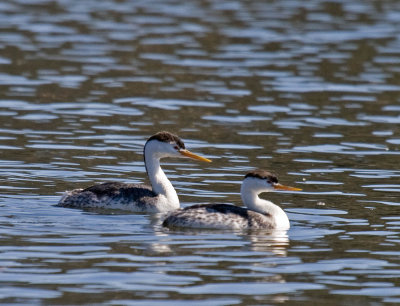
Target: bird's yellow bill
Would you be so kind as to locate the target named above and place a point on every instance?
(194, 156)
(283, 187)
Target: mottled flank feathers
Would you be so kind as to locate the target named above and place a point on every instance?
(220, 216)
(114, 195)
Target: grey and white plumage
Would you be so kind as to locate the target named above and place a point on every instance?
(159, 197)
(259, 214)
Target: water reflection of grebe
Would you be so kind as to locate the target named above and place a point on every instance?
(160, 197)
(275, 241)
(261, 214)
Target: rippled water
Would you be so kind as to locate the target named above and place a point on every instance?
(309, 89)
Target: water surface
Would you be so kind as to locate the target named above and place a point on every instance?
(309, 90)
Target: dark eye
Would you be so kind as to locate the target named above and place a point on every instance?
(176, 147)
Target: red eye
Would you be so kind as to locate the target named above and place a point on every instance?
(176, 147)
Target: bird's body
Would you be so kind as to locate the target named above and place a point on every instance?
(159, 197)
(132, 197)
(219, 216)
(259, 214)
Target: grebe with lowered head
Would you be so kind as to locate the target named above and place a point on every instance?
(159, 197)
(260, 214)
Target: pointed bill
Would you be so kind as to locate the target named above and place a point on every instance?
(283, 187)
(194, 156)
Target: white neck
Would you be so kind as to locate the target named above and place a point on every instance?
(159, 181)
(249, 193)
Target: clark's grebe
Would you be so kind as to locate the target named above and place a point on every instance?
(160, 197)
(261, 214)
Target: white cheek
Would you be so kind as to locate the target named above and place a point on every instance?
(174, 152)
(267, 185)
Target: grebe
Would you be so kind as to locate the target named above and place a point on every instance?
(160, 197)
(261, 214)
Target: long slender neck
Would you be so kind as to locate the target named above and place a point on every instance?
(249, 193)
(159, 181)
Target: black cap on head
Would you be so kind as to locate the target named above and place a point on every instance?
(168, 137)
(264, 175)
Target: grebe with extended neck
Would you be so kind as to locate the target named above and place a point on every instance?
(159, 197)
(259, 214)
